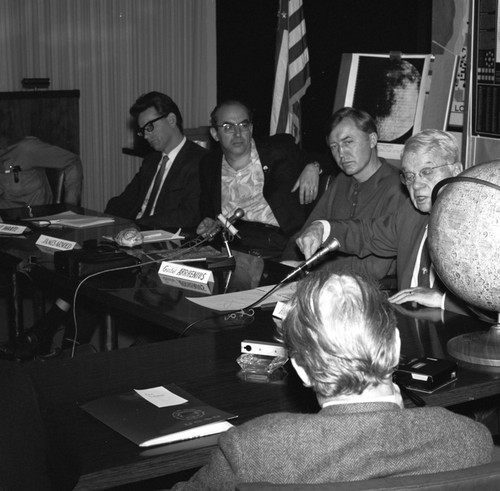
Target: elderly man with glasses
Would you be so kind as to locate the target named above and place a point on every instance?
(427, 158)
(259, 177)
(165, 192)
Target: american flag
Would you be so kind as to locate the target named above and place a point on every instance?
(292, 69)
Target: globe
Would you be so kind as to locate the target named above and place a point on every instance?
(464, 244)
(464, 236)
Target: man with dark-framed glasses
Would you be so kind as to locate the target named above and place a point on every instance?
(262, 177)
(427, 158)
(165, 191)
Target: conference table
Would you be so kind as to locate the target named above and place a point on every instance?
(202, 361)
(136, 292)
(206, 367)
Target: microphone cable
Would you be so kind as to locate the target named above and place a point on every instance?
(189, 246)
(176, 253)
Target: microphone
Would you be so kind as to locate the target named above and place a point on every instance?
(227, 223)
(329, 247)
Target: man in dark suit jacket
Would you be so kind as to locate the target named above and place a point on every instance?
(346, 351)
(428, 157)
(256, 176)
(163, 194)
(175, 201)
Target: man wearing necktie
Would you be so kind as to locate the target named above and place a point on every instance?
(427, 158)
(165, 192)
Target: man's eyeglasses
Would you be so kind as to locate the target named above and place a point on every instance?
(426, 173)
(231, 127)
(149, 126)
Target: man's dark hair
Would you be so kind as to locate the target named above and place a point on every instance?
(161, 102)
(229, 102)
(361, 119)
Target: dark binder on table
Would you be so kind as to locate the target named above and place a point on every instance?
(147, 425)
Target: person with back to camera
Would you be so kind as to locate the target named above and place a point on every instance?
(366, 187)
(343, 342)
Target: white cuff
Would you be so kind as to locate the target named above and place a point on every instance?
(443, 300)
(326, 229)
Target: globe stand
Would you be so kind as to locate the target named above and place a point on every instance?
(478, 348)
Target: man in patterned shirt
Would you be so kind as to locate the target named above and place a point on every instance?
(256, 176)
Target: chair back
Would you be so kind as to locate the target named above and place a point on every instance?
(484, 477)
(23, 447)
(29, 460)
(56, 182)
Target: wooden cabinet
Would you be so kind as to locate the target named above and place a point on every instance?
(50, 115)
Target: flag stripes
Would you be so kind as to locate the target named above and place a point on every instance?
(292, 69)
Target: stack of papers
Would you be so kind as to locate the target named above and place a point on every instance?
(72, 220)
(241, 300)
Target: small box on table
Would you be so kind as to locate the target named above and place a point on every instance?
(427, 374)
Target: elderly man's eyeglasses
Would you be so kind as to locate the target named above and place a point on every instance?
(231, 127)
(426, 173)
(149, 126)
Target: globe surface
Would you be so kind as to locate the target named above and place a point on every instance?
(464, 236)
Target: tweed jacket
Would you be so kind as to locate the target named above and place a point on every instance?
(346, 442)
(178, 202)
(282, 163)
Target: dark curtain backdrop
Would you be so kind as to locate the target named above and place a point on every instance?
(246, 38)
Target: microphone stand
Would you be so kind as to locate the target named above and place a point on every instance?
(225, 238)
(230, 261)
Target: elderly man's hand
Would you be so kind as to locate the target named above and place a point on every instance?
(207, 227)
(423, 296)
(311, 239)
(308, 183)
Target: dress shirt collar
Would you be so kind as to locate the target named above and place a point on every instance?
(362, 400)
(174, 152)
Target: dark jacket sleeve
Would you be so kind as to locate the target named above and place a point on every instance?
(128, 203)
(210, 184)
(282, 162)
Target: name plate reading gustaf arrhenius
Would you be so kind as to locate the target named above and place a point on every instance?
(52, 244)
(182, 272)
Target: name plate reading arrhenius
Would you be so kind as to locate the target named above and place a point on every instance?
(188, 285)
(183, 272)
(51, 244)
